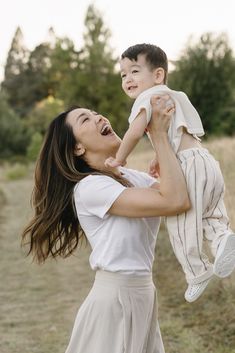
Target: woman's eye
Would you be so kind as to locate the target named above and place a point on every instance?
(135, 71)
(85, 119)
(123, 76)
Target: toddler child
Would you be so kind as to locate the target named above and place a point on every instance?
(144, 69)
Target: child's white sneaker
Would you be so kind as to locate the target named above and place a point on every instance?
(225, 257)
(195, 290)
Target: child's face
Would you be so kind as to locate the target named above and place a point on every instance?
(136, 76)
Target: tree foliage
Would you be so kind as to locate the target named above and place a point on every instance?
(41, 115)
(206, 72)
(65, 63)
(96, 83)
(87, 76)
(26, 74)
(16, 65)
(13, 137)
(39, 84)
(34, 146)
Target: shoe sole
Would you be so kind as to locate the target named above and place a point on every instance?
(225, 264)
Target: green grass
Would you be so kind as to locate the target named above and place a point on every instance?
(16, 171)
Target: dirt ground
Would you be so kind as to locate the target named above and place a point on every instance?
(37, 303)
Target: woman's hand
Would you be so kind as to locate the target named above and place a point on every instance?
(162, 110)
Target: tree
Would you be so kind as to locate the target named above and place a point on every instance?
(26, 74)
(96, 83)
(41, 115)
(206, 72)
(13, 137)
(16, 64)
(87, 77)
(35, 83)
(65, 61)
(17, 56)
(96, 62)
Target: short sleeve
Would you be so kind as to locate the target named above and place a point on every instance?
(141, 104)
(137, 178)
(148, 180)
(97, 193)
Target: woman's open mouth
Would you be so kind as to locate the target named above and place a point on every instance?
(106, 130)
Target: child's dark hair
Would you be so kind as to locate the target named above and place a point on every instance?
(155, 57)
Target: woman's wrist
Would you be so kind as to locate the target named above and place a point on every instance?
(158, 137)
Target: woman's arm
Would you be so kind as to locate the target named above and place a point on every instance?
(171, 197)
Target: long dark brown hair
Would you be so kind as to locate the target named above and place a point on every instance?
(55, 229)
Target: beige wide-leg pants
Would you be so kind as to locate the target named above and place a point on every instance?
(206, 219)
(119, 315)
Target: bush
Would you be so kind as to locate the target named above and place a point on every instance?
(13, 137)
(34, 146)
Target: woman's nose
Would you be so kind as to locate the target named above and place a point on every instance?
(98, 118)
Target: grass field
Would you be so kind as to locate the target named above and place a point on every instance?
(38, 304)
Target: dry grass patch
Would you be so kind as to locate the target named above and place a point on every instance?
(38, 304)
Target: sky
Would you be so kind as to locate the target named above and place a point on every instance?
(167, 24)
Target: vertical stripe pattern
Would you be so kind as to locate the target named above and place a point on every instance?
(207, 217)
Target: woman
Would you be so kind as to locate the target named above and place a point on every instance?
(117, 210)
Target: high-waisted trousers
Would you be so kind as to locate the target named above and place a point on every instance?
(119, 315)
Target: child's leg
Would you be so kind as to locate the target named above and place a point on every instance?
(186, 236)
(186, 230)
(216, 223)
(217, 230)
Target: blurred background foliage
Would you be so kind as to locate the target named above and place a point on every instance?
(39, 84)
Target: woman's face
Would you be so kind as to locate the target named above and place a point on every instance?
(93, 132)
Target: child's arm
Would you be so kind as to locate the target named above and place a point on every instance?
(130, 139)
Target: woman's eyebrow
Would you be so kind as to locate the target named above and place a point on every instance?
(80, 116)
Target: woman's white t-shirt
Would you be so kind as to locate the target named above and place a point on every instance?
(119, 244)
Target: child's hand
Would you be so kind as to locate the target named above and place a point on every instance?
(112, 162)
(154, 169)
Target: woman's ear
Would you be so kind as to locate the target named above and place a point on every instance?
(159, 76)
(79, 150)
